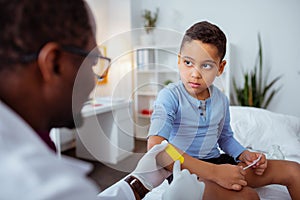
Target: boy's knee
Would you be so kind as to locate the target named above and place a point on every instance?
(293, 171)
(294, 167)
(249, 194)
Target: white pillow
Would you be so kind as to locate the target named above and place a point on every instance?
(259, 129)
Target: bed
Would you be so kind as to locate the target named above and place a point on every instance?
(277, 135)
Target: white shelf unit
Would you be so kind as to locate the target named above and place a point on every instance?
(154, 66)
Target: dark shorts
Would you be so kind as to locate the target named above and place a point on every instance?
(222, 159)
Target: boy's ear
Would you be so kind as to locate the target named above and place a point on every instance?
(178, 59)
(221, 67)
(48, 61)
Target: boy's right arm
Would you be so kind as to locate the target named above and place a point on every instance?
(226, 175)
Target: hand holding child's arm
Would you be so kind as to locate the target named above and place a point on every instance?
(249, 157)
(148, 171)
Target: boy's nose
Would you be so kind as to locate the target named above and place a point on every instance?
(196, 73)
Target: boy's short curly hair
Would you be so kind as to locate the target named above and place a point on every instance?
(27, 25)
(206, 33)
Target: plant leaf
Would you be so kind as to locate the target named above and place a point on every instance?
(270, 85)
(254, 89)
(260, 58)
(246, 92)
(269, 99)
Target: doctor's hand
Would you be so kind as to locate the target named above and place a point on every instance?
(184, 185)
(148, 171)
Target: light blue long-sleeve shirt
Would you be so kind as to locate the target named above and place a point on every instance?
(196, 127)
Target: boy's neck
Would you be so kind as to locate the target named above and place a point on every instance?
(205, 95)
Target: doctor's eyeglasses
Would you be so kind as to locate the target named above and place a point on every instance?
(100, 64)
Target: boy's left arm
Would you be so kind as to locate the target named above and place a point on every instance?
(226, 140)
(231, 146)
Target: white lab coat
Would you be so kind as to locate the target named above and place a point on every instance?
(29, 170)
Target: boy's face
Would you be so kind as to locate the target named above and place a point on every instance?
(199, 64)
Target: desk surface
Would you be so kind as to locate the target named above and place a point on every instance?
(94, 109)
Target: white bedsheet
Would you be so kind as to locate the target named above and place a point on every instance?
(259, 129)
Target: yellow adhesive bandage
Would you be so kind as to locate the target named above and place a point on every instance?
(174, 154)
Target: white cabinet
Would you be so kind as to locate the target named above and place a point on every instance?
(107, 133)
(155, 67)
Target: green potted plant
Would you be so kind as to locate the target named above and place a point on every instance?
(255, 92)
(150, 20)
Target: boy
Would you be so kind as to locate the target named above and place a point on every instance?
(194, 116)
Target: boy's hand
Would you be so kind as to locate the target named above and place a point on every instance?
(231, 177)
(249, 157)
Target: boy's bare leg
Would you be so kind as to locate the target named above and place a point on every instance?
(278, 172)
(214, 191)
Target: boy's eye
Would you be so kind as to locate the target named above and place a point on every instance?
(207, 66)
(188, 63)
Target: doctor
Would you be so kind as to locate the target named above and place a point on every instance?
(42, 46)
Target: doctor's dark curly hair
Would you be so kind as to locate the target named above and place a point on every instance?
(27, 25)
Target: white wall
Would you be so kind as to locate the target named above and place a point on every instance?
(241, 21)
(276, 20)
(113, 20)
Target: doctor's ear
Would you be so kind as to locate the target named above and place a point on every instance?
(48, 60)
(221, 67)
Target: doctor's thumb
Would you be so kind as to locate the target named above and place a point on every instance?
(156, 149)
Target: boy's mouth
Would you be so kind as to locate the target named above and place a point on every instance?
(194, 85)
